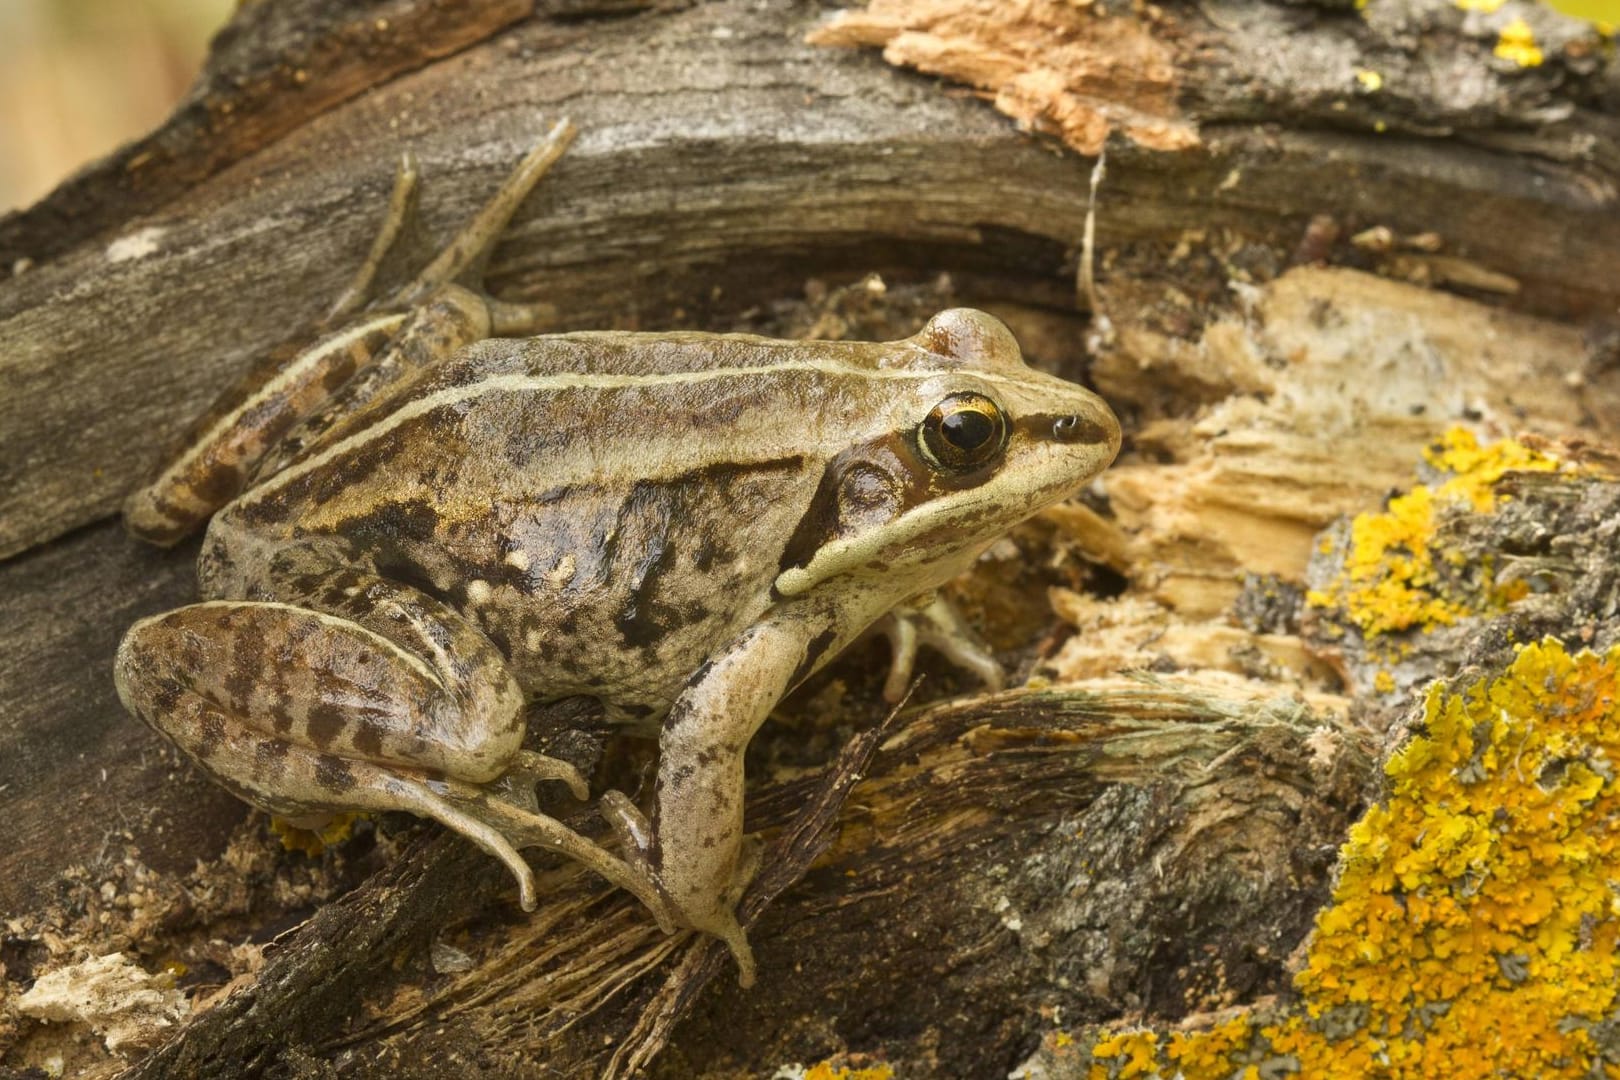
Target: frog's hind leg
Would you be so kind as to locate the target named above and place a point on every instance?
(351, 692)
(400, 219)
(452, 318)
(225, 445)
(464, 258)
(225, 448)
(284, 403)
(260, 768)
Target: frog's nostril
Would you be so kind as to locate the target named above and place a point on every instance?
(1079, 428)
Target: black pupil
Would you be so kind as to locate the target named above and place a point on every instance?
(967, 429)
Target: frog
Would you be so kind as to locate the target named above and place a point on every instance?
(432, 517)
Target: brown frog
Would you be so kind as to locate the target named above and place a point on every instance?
(421, 523)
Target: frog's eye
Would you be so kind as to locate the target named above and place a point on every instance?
(963, 432)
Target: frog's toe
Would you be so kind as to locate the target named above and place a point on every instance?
(530, 768)
(520, 828)
(743, 953)
(629, 824)
(936, 623)
(634, 834)
(726, 927)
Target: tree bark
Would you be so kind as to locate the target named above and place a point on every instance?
(1155, 844)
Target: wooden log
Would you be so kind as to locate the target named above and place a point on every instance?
(1126, 825)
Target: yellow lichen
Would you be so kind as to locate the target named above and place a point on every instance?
(1369, 80)
(1486, 6)
(1475, 928)
(1475, 469)
(827, 1071)
(1123, 1055)
(314, 841)
(1390, 580)
(1517, 43)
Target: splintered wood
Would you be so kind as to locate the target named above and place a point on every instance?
(1055, 67)
(1312, 400)
(1259, 420)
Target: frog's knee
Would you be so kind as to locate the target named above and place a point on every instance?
(252, 765)
(148, 669)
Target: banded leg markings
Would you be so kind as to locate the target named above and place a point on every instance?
(334, 686)
(225, 447)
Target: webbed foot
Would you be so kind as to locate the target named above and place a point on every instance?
(634, 833)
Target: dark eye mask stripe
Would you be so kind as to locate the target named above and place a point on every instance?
(1080, 429)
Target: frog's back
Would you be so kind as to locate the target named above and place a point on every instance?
(607, 506)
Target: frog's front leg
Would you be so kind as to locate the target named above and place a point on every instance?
(693, 845)
(342, 690)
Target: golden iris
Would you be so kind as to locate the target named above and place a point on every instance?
(963, 432)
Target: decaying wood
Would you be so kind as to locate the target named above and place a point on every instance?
(1322, 388)
(1273, 235)
(1161, 832)
(1422, 83)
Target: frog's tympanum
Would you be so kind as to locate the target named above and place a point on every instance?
(425, 521)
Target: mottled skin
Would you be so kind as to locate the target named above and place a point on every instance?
(683, 526)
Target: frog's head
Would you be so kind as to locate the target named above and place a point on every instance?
(970, 442)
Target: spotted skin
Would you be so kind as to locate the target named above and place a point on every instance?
(683, 526)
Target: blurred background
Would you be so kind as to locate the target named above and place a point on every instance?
(82, 76)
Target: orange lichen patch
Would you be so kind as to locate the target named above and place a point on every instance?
(1475, 927)
(313, 841)
(1053, 66)
(826, 1071)
(1393, 577)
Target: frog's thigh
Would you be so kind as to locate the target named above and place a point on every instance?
(240, 730)
(223, 448)
(272, 770)
(328, 683)
(443, 323)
